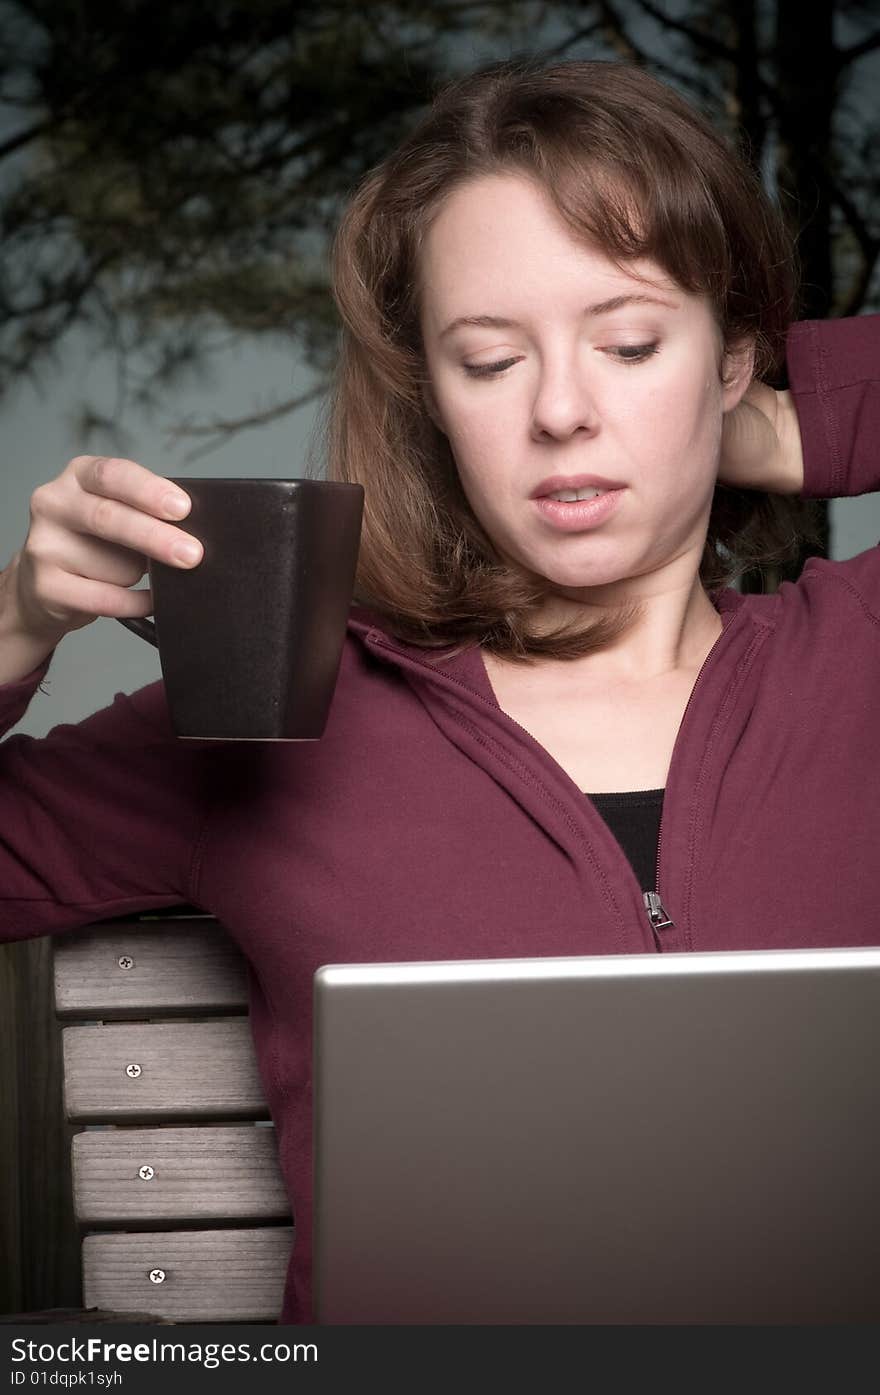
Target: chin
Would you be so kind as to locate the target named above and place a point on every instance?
(566, 573)
(579, 579)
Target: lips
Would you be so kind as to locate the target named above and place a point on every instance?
(554, 483)
(577, 515)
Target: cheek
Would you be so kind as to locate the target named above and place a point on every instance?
(485, 484)
(688, 418)
(477, 417)
(476, 442)
(482, 490)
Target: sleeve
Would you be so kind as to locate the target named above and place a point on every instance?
(15, 697)
(97, 819)
(834, 376)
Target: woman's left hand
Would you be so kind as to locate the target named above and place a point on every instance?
(761, 443)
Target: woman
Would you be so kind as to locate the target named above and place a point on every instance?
(561, 286)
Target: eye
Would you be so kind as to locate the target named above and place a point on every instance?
(488, 370)
(632, 353)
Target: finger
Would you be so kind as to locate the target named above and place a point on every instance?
(122, 525)
(65, 597)
(117, 602)
(125, 480)
(89, 557)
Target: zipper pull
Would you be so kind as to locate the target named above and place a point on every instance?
(656, 914)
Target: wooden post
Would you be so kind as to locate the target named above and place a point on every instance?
(39, 1243)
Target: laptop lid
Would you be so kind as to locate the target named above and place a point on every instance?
(685, 1138)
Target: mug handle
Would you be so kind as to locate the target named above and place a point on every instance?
(146, 629)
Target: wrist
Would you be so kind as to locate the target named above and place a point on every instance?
(761, 443)
(23, 646)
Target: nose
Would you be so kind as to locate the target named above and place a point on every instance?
(564, 404)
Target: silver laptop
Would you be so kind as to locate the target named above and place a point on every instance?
(686, 1138)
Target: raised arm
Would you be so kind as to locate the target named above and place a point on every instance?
(102, 817)
(820, 438)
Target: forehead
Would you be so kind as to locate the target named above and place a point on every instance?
(501, 236)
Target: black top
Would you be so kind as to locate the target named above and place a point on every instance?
(634, 818)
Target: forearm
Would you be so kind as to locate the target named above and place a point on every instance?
(21, 649)
(761, 444)
(819, 438)
(99, 817)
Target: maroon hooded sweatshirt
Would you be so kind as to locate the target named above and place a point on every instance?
(426, 824)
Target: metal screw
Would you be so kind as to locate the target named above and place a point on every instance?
(125, 961)
(146, 1173)
(133, 1070)
(157, 1276)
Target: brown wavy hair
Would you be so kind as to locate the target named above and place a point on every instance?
(635, 171)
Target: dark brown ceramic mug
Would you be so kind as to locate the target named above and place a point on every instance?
(250, 640)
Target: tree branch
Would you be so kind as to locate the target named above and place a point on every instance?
(221, 430)
(869, 246)
(696, 36)
(849, 55)
(852, 302)
(464, 7)
(630, 50)
(40, 341)
(586, 33)
(867, 241)
(625, 45)
(9, 147)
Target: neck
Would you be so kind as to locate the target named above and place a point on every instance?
(674, 631)
(673, 635)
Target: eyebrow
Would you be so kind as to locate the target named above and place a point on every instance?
(602, 307)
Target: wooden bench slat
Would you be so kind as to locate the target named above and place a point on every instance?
(184, 1070)
(168, 967)
(198, 1174)
(201, 1071)
(210, 1276)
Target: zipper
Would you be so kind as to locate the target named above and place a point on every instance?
(656, 914)
(658, 917)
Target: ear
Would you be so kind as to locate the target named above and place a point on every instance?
(737, 371)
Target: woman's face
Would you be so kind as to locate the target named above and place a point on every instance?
(551, 369)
